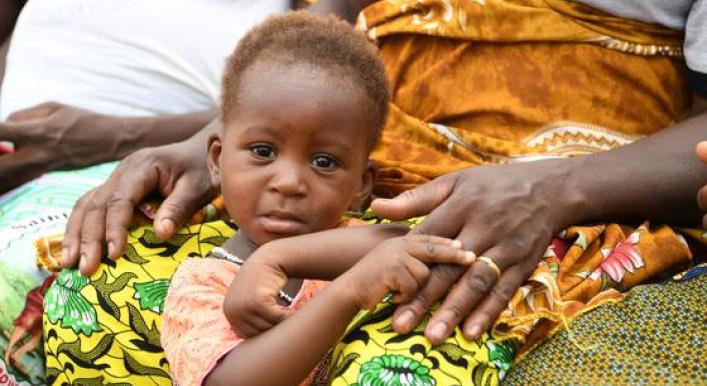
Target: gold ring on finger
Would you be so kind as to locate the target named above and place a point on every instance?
(490, 263)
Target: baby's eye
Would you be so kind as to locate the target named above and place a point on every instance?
(324, 162)
(263, 151)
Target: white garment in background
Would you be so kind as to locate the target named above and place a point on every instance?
(126, 57)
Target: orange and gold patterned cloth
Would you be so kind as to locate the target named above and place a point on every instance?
(482, 82)
(495, 81)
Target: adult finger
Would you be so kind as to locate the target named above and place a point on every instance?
(72, 235)
(13, 132)
(701, 150)
(415, 202)
(702, 198)
(93, 231)
(494, 303)
(131, 186)
(180, 204)
(464, 297)
(441, 278)
(39, 111)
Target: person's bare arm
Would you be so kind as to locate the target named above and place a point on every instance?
(298, 343)
(9, 10)
(311, 255)
(322, 256)
(345, 9)
(54, 136)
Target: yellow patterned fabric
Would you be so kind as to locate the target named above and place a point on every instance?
(105, 330)
(371, 353)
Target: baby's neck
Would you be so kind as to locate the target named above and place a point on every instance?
(241, 246)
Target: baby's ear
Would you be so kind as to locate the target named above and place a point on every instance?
(214, 159)
(368, 180)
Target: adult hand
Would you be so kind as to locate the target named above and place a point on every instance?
(55, 136)
(506, 213)
(177, 171)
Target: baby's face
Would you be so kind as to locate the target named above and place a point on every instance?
(293, 157)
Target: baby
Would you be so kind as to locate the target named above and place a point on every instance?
(304, 100)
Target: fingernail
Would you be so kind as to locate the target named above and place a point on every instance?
(466, 257)
(469, 256)
(474, 331)
(456, 244)
(111, 249)
(438, 330)
(167, 226)
(405, 319)
(82, 264)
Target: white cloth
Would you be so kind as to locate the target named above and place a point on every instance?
(126, 57)
(687, 15)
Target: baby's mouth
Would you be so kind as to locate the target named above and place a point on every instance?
(280, 222)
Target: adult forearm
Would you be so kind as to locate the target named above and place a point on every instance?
(345, 9)
(656, 178)
(286, 353)
(310, 256)
(141, 132)
(9, 10)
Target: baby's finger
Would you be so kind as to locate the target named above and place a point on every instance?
(273, 313)
(251, 326)
(404, 289)
(434, 240)
(428, 252)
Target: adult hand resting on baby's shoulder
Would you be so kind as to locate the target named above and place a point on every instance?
(54, 136)
(177, 172)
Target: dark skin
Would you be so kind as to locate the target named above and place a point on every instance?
(274, 170)
(701, 150)
(54, 136)
(9, 11)
(501, 199)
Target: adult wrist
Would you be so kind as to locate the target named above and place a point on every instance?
(578, 205)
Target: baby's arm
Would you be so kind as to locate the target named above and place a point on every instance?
(322, 256)
(284, 354)
(326, 255)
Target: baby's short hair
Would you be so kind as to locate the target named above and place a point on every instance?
(324, 42)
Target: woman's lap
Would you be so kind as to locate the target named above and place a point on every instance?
(656, 335)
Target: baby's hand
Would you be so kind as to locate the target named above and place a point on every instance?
(400, 266)
(251, 302)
